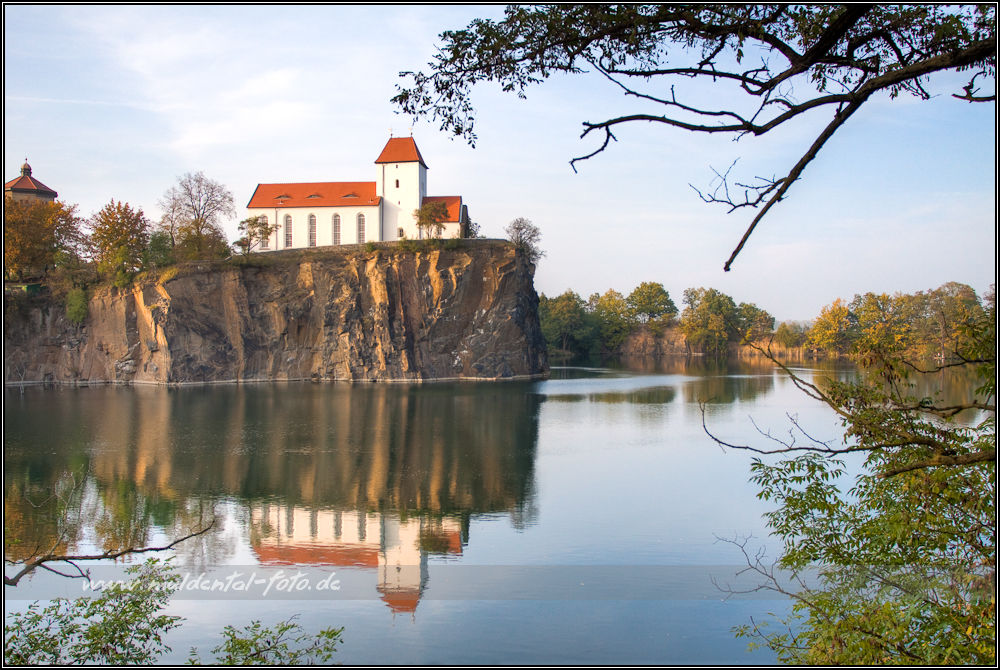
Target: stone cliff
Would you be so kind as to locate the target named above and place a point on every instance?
(332, 314)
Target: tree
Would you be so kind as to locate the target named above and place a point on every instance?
(199, 240)
(159, 250)
(38, 236)
(754, 322)
(831, 331)
(947, 311)
(431, 217)
(710, 320)
(783, 61)
(525, 235)
(255, 230)
(650, 301)
(192, 210)
(615, 319)
(790, 335)
(472, 229)
(120, 235)
(565, 323)
(907, 558)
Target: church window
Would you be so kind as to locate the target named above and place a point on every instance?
(397, 183)
(288, 230)
(400, 233)
(312, 230)
(336, 228)
(361, 228)
(266, 240)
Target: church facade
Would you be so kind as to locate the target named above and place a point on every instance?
(316, 214)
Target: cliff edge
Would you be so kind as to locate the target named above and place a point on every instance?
(330, 314)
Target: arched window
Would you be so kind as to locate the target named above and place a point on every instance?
(361, 228)
(288, 230)
(265, 242)
(336, 228)
(400, 233)
(312, 230)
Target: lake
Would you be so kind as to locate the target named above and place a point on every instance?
(582, 519)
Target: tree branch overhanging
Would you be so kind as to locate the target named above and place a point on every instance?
(860, 49)
(43, 561)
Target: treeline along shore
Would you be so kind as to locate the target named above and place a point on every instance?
(931, 324)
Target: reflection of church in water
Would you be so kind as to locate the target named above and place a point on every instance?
(396, 547)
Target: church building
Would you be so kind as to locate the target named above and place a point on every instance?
(27, 187)
(316, 214)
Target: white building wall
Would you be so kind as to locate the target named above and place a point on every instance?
(402, 187)
(324, 225)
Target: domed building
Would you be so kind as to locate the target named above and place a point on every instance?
(27, 187)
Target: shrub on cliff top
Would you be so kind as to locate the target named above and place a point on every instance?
(76, 306)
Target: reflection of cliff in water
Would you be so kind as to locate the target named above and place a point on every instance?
(154, 455)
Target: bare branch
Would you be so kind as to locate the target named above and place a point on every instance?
(42, 561)
(971, 91)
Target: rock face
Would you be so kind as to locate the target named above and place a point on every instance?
(644, 343)
(338, 314)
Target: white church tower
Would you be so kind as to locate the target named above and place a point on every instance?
(401, 182)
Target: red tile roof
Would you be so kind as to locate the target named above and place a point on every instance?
(400, 600)
(454, 203)
(401, 150)
(28, 184)
(310, 554)
(315, 194)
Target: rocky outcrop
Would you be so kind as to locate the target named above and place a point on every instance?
(336, 314)
(644, 343)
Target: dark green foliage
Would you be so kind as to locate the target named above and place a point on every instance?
(284, 644)
(710, 320)
(200, 241)
(159, 251)
(121, 626)
(615, 320)
(601, 325)
(649, 301)
(566, 325)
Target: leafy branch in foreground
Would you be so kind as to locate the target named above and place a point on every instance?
(284, 644)
(906, 559)
(768, 64)
(124, 625)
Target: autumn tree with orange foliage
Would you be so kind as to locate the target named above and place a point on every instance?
(38, 236)
(120, 235)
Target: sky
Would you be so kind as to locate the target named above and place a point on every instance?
(118, 102)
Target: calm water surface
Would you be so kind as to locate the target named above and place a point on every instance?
(575, 520)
